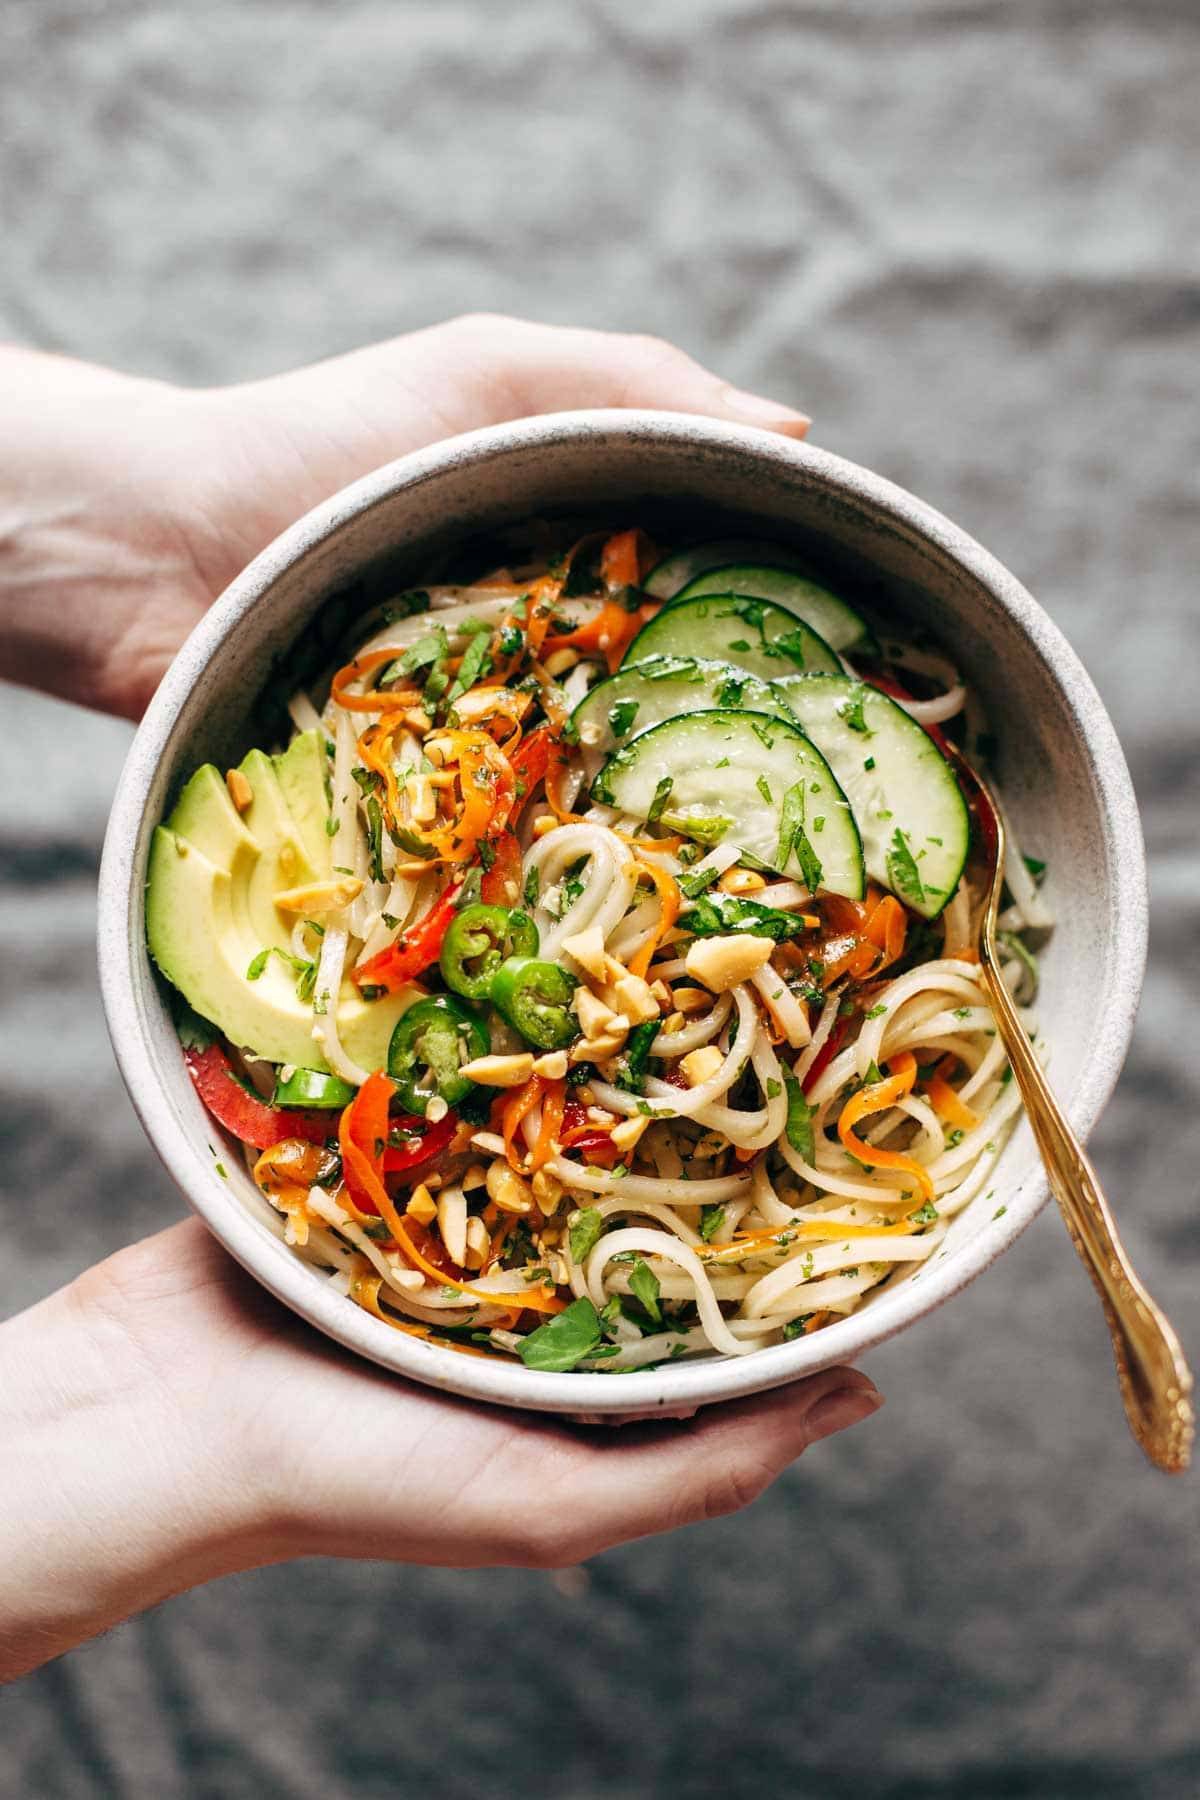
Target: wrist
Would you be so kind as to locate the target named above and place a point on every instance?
(96, 559)
(111, 1499)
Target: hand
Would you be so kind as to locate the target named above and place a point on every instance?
(166, 1421)
(126, 506)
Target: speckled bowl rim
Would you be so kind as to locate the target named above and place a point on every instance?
(675, 1386)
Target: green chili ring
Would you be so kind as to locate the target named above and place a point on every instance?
(535, 997)
(311, 1087)
(480, 939)
(435, 1037)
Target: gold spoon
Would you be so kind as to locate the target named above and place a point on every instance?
(1153, 1374)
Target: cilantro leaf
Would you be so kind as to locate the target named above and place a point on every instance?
(585, 1233)
(903, 873)
(646, 1287)
(799, 1127)
(564, 1340)
(715, 915)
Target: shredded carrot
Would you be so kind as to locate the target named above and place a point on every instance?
(878, 1097)
(513, 1109)
(487, 788)
(619, 562)
(379, 700)
(554, 1101)
(669, 897)
(360, 1170)
(831, 1231)
(945, 1102)
(365, 1290)
(609, 632)
(886, 929)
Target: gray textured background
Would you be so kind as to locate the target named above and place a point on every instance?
(966, 236)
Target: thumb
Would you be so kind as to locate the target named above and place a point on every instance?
(523, 368)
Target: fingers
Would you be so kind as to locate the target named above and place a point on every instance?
(544, 368)
(624, 1485)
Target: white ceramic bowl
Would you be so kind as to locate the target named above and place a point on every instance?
(1058, 763)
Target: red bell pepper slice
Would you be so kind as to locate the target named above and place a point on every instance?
(429, 1140)
(414, 950)
(825, 1054)
(244, 1114)
(501, 884)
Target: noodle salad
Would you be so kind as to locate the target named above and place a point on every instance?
(589, 980)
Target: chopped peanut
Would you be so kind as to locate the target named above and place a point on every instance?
(635, 1000)
(721, 962)
(422, 1205)
(436, 1109)
(417, 719)
(452, 1223)
(499, 1071)
(662, 994)
(595, 1018)
(552, 1066)
(561, 660)
(547, 1191)
(673, 1021)
(479, 1244)
(692, 999)
(626, 1134)
(320, 896)
(475, 1177)
(701, 1065)
(543, 823)
(422, 798)
(240, 791)
(587, 948)
(597, 1049)
(741, 881)
(510, 1192)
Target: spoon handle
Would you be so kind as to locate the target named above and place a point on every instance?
(1154, 1378)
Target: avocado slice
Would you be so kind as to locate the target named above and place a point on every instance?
(210, 910)
(281, 861)
(302, 771)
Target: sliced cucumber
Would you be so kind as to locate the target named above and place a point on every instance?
(748, 778)
(643, 694)
(839, 625)
(675, 571)
(755, 635)
(912, 817)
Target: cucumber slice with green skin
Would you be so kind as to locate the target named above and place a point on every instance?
(839, 625)
(641, 695)
(747, 778)
(675, 571)
(912, 816)
(755, 635)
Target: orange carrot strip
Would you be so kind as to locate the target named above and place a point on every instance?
(554, 1101)
(514, 1108)
(359, 1167)
(878, 1098)
(619, 565)
(376, 701)
(667, 889)
(945, 1102)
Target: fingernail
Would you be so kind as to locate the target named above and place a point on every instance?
(841, 1409)
(752, 409)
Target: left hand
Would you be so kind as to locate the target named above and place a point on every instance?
(164, 1421)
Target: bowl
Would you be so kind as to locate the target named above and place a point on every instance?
(1057, 761)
